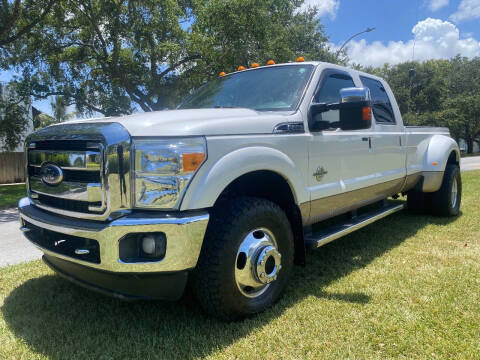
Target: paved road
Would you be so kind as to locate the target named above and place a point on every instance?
(14, 248)
(470, 163)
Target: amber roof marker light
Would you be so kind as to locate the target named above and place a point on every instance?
(270, 62)
(255, 65)
(241, 68)
(222, 74)
(300, 59)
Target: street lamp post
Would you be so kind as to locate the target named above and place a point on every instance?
(351, 37)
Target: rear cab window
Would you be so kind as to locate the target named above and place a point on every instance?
(381, 105)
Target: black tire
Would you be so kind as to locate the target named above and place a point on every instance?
(418, 202)
(214, 277)
(442, 201)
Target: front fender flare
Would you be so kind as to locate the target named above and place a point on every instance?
(207, 185)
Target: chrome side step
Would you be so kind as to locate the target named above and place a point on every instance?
(320, 238)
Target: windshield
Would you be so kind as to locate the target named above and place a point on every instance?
(269, 89)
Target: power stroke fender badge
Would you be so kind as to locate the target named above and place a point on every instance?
(51, 174)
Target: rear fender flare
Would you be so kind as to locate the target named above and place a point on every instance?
(438, 152)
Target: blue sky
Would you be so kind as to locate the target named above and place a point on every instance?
(441, 29)
(394, 19)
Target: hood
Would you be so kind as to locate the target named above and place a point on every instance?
(199, 122)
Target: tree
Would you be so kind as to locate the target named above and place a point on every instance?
(42, 120)
(14, 118)
(19, 18)
(60, 108)
(467, 120)
(114, 56)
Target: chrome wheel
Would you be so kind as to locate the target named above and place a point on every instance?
(258, 263)
(454, 193)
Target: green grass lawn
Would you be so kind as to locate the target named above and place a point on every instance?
(405, 287)
(10, 194)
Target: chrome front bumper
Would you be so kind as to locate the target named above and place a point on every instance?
(184, 232)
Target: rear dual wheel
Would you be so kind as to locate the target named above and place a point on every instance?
(444, 202)
(246, 259)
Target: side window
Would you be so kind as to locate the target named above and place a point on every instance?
(382, 108)
(330, 93)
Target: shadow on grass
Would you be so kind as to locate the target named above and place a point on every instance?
(62, 321)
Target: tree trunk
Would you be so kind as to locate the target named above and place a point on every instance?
(469, 140)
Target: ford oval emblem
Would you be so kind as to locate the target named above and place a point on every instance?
(51, 174)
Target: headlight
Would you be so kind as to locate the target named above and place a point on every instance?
(163, 169)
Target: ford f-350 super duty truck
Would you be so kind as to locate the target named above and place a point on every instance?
(222, 191)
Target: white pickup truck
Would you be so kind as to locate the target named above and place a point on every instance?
(223, 190)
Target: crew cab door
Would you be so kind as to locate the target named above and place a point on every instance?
(388, 136)
(340, 163)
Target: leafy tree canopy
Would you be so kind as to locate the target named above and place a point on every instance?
(42, 120)
(14, 117)
(114, 56)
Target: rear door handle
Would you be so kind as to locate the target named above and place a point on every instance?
(369, 139)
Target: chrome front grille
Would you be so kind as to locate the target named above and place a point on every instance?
(82, 189)
(93, 161)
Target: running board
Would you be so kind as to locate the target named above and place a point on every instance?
(320, 238)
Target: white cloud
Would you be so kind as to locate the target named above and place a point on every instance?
(437, 4)
(467, 10)
(325, 7)
(435, 39)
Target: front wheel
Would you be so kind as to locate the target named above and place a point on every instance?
(246, 258)
(446, 201)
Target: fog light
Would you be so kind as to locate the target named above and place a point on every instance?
(143, 247)
(154, 245)
(148, 244)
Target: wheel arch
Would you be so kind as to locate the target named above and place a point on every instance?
(269, 185)
(442, 150)
(256, 171)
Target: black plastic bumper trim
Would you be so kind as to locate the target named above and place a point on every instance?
(126, 286)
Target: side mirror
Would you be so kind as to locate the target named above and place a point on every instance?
(316, 109)
(355, 109)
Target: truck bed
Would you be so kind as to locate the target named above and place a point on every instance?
(427, 130)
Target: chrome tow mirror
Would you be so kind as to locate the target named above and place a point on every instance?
(354, 94)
